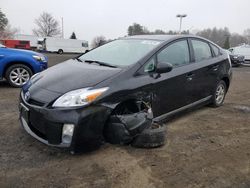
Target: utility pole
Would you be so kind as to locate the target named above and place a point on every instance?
(62, 29)
(181, 16)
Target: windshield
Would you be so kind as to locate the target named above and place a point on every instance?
(121, 52)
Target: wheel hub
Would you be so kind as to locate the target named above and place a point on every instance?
(19, 76)
(220, 94)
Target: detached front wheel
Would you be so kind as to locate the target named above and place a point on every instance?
(17, 75)
(219, 94)
(152, 137)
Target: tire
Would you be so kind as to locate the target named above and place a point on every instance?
(18, 74)
(219, 94)
(152, 137)
(122, 129)
(60, 51)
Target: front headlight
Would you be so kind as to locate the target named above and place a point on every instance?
(79, 97)
(39, 58)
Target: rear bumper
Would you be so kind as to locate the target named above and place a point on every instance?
(46, 125)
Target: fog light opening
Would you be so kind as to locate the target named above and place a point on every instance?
(67, 133)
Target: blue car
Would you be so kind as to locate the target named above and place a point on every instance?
(17, 66)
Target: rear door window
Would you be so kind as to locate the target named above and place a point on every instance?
(176, 54)
(202, 50)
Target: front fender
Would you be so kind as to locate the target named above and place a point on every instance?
(26, 60)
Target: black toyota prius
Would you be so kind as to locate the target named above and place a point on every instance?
(70, 104)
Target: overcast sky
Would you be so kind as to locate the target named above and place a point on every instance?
(111, 18)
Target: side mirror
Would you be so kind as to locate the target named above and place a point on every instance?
(163, 67)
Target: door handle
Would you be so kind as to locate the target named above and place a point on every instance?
(215, 67)
(190, 76)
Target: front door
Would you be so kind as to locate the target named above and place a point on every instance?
(170, 88)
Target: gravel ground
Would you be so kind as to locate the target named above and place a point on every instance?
(208, 147)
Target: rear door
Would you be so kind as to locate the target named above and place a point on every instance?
(203, 71)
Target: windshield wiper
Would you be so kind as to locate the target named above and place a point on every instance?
(78, 59)
(100, 63)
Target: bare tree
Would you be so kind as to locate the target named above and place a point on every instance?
(47, 26)
(8, 33)
(237, 39)
(98, 41)
(3, 21)
(247, 35)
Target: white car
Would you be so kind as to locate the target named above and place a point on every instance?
(243, 50)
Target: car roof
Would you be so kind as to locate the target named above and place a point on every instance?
(159, 37)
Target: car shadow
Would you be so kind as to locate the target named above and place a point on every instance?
(5, 84)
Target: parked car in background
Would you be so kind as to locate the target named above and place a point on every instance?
(243, 50)
(61, 45)
(17, 66)
(76, 104)
(236, 60)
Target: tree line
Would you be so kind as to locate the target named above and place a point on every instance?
(137, 29)
(221, 36)
(48, 26)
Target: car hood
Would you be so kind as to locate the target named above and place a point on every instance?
(71, 75)
(21, 51)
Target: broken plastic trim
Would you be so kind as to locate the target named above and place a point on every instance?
(127, 121)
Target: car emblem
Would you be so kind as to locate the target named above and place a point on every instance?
(27, 96)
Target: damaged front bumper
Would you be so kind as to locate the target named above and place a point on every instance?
(47, 125)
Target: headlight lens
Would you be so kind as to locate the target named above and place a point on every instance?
(39, 58)
(79, 97)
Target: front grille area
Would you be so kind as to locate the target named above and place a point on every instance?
(37, 132)
(32, 101)
(35, 102)
(47, 130)
(40, 125)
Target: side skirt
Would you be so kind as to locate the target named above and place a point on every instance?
(164, 116)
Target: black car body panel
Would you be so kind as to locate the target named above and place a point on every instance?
(166, 93)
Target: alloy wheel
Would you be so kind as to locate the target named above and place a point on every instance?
(19, 76)
(220, 94)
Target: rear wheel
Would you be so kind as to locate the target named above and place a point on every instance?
(219, 94)
(60, 51)
(17, 75)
